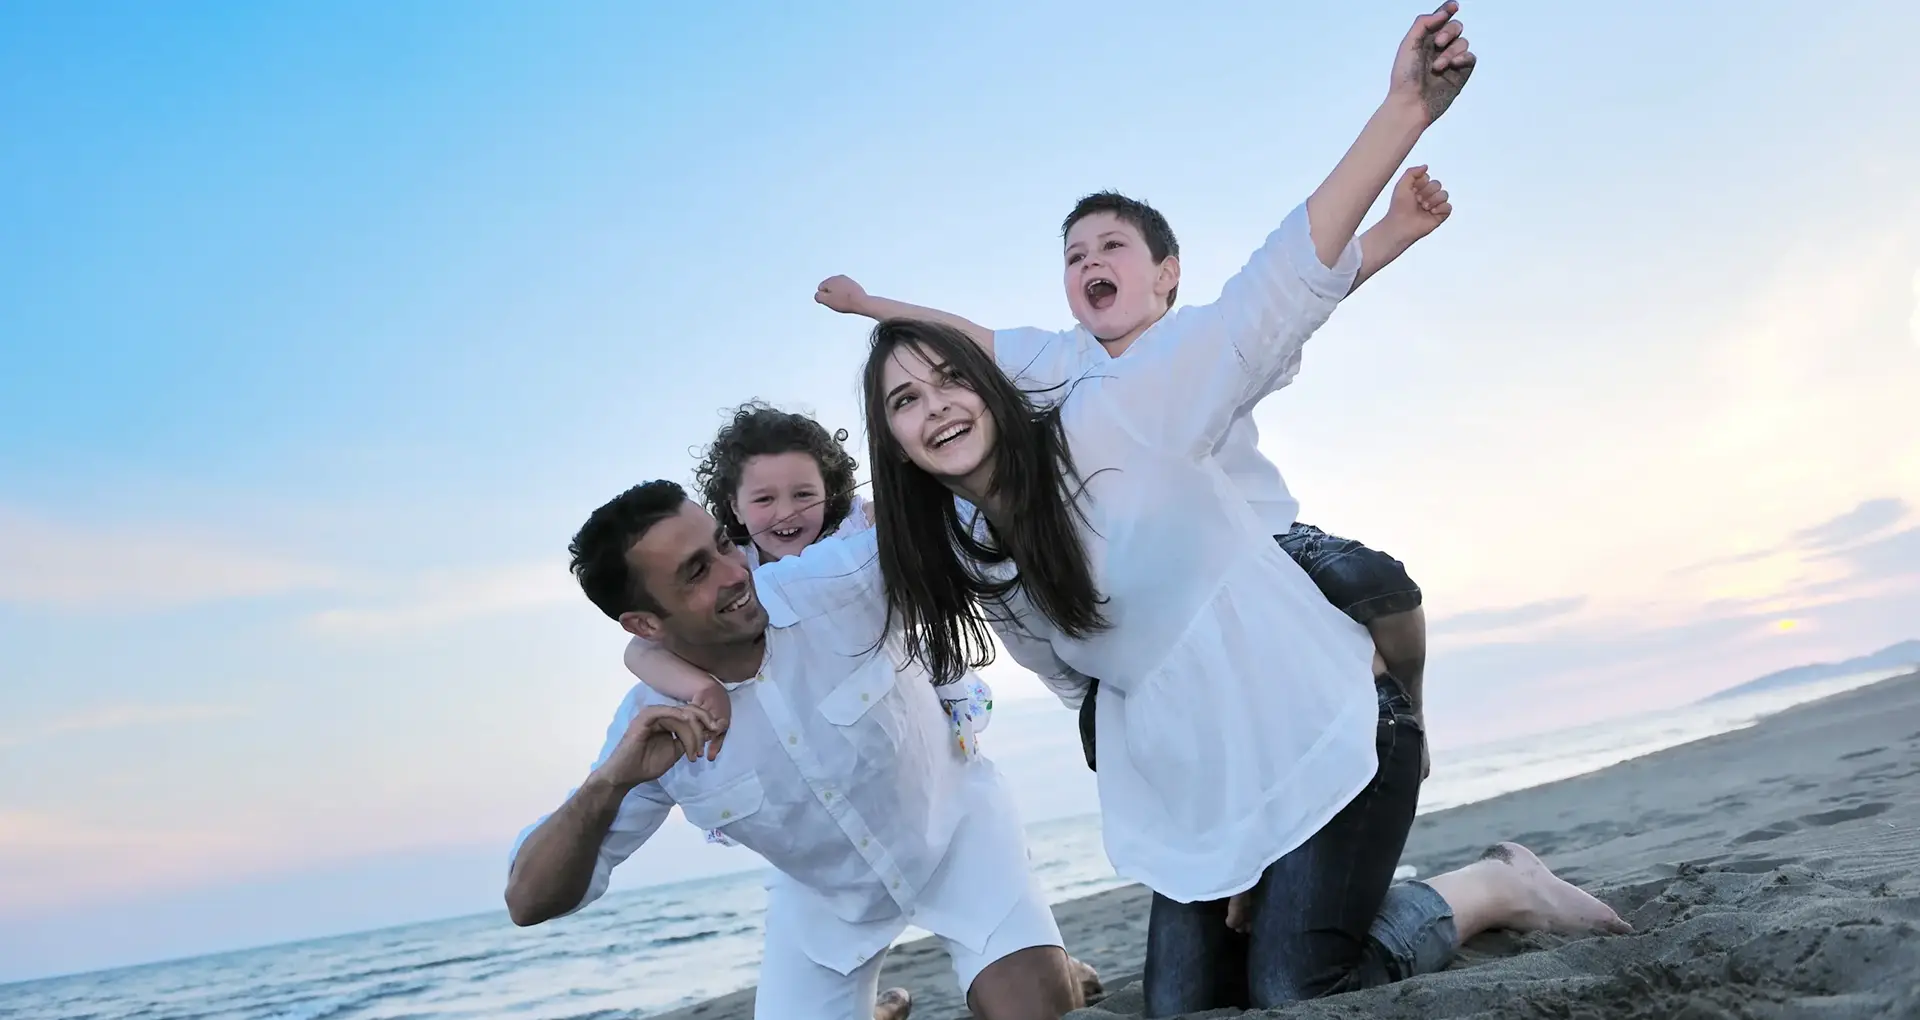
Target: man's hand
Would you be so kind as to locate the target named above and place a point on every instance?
(842, 295)
(1418, 206)
(659, 736)
(1432, 65)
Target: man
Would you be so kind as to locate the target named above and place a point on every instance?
(839, 769)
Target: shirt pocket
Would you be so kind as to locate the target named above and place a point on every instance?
(857, 694)
(866, 712)
(722, 809)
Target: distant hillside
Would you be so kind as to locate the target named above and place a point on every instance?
(1906, 654)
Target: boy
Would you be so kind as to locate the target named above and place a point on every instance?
(1122, 275)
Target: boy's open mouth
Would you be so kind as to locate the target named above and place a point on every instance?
(1101, 292)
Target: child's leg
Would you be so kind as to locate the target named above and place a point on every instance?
(1372, 588)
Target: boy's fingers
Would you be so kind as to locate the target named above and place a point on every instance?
(1456, 54)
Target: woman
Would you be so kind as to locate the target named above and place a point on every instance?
(1246, 745)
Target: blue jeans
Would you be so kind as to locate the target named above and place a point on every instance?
(1361, 582)
(1325, 918)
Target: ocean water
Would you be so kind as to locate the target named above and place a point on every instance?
(645, 951)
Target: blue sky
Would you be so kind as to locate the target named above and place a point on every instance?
(322, 328)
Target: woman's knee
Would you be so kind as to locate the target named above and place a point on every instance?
(1300, 976)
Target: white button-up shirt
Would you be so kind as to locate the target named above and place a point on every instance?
(841, 770)
(1237, 708)
(1045, 363)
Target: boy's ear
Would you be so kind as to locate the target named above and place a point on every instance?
(1167, 280)
(641, 624)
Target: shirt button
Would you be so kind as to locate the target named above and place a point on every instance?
(864, 841)
(865, 698)
(724, 815)
(827, 796)
(896, 883)
(793, 738)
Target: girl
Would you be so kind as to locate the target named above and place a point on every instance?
(778, 482)
(1254, 748)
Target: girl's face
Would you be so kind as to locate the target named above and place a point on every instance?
(782, 501)
(938, 421)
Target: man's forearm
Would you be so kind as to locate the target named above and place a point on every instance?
(1335, 209)
(879, 308)
(554, 868)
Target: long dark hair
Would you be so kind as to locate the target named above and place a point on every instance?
(757, 429)
(928, 552)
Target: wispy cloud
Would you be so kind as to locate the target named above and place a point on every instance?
(67, 566)
(117, 716)
(440, 599)
(48, 858)
(1482, 620)
(1862, 522)
(1895, 556)
(1836, 538)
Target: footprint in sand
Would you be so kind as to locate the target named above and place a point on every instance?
(1819, 820)
(1867, 810)
(1766, 832)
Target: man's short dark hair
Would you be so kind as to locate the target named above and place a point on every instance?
(599, 549)
(1152, 226)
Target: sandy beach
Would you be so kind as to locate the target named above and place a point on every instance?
(1771, 872)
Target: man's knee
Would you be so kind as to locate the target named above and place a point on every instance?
(1036, 983)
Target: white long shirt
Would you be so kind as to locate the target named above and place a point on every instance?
(1237, 709)
(840, 769)
(1046, 363)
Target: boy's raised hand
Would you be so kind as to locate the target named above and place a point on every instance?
(1418, 206)
(1433, 63)
(841, 294)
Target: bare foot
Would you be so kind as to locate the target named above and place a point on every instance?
(893, 1004)
(1091, 990)
(1544, 902)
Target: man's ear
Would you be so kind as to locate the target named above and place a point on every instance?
(1167, 282)
(641, 624)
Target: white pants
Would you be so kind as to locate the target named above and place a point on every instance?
(793, 987)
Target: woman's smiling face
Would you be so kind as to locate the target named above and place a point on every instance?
(938, 421)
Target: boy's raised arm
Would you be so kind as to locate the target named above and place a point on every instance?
(843, 295)
(1428, 72)
(1418, 207)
